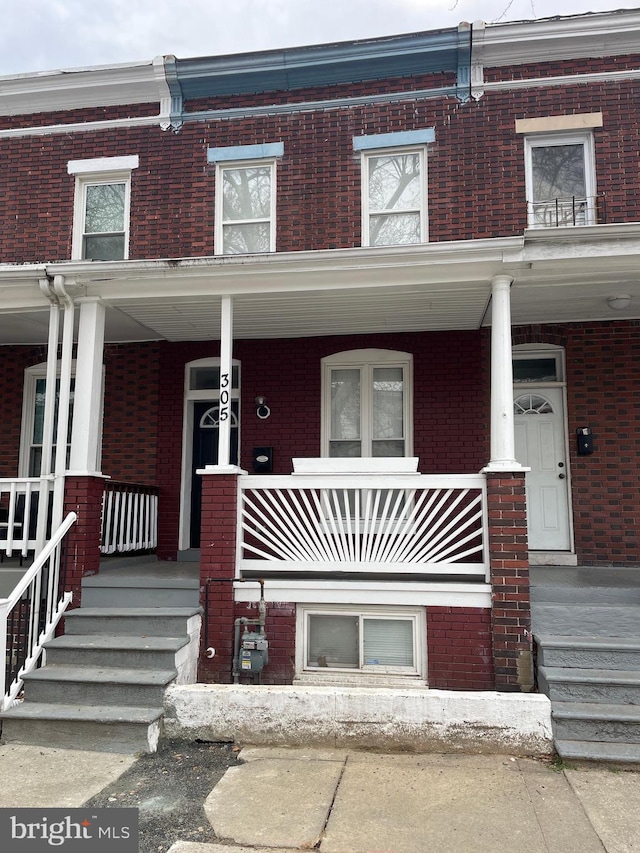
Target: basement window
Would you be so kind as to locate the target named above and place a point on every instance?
(367, 641)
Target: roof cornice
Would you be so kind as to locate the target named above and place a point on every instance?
(521, 42)
(77, 88)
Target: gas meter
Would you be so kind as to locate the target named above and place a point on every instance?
(254, 652)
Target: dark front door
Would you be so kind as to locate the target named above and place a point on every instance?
(205, 452)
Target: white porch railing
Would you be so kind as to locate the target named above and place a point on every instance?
(129, 518)
(20, 499)
(383, 524)
(29, 616)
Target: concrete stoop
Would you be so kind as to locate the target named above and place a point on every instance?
(103, 683)
(588, 640)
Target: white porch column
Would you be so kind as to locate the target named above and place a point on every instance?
(502, 420)
(226, 366)
(87, 408)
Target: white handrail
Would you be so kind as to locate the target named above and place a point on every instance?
(45, 606)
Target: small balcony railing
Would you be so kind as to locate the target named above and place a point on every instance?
(129, 518)
(567, 212)
(416, 525)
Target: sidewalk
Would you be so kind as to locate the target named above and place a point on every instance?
(353, 802)
(339, 801)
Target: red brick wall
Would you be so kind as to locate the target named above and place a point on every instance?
(280, 628)
(509, 557)
(82, 495)
(217, 569)
(459, 652)
(475, 169)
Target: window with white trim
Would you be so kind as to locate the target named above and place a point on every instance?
(394, 197)
(245, 207)
(367, 404)
(560, 179)
(33, 421)
(102, 207)
(371, 640)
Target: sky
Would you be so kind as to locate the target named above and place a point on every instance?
(40, 35)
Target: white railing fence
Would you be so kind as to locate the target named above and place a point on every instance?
(22, 499)
(129, 518)
(416, 524)
(29, 616)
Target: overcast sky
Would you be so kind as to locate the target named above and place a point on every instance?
(37, 35)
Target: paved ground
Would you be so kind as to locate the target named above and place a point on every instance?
(197, 798)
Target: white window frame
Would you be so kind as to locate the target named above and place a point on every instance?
(31, 376)
(367, 155)
(540, 140)
(367, 360)
(416, 615)
(99, 170)
(221, 168)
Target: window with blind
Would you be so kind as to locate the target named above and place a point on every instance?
(373, 640)
(367, 404)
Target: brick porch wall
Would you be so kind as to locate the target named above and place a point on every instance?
(511, 607)
(83, 495)
(459, 650)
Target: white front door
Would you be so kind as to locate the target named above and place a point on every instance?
(540, 446)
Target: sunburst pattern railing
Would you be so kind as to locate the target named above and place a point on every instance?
(417, 524)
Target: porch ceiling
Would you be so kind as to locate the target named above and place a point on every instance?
(438, 286)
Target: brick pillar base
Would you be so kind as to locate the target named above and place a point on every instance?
(217, 570)
(83, 495)
(511, 606)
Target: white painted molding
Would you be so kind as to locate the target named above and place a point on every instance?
(77, 88)
(367, 592)
(600, 34)
(221, 469)
(103, 164)
(80, 127)
(361, 465)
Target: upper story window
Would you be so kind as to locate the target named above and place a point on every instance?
(367, 404)
(394, 187)
(101, 210)
(245, 214)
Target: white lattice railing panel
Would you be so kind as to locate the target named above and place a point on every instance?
(416, 524)
(19, 504)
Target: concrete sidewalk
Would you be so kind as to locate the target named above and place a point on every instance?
(354, 802)
(339, 801)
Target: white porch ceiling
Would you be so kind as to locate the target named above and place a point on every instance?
(440, 286)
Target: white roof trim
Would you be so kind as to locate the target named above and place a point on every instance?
(593, 35)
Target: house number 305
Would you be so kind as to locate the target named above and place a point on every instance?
(224, 397)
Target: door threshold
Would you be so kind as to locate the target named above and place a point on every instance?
(552, 558)
(191, 555)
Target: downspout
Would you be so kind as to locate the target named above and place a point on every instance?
(62, 430)
(49, 409)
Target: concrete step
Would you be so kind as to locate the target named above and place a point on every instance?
(583, 750)
(105, 650)
(589, 652)
(589, 595)
(596, 721)
(103, 729)
(586, 620)
(145, 621)
(611, 686)
(102, 686)
(105, 591)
